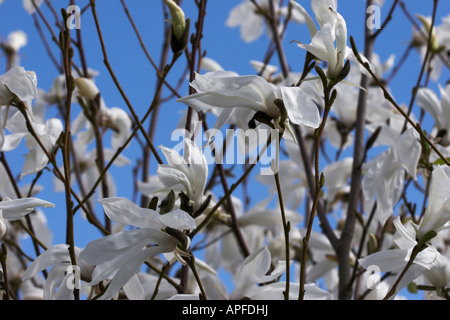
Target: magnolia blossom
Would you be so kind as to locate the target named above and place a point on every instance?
(437, 213)
(113, 118)
(395, 260)
(187, 173)
(31, 5)
(228, 90)
(256, 269)
(439, 110)
(386, 173)
(19, 82)
(17, 209)
(329, 43)
(47, 132)
(253, 271)
(15, 41)
(251, 21)
(59, 284)
(119, 256)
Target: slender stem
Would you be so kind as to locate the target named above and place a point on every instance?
(67, 63)
(286, 227)
(119, 87)
(193, 67)
(318, 135)
(273, 22)
(393, 289)
(424, 63)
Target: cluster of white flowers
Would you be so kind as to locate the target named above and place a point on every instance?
(191, 226)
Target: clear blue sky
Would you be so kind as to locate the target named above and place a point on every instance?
(220, 42)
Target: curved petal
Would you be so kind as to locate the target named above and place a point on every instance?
(51, 256)
(300, 108)
(122, 210)
(107, 248)
(17, 208)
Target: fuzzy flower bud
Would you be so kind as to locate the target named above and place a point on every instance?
(86, 88)
(178, 19)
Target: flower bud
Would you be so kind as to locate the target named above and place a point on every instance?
(180, 27)
(426, 23)
(86, 88)
(178, 19)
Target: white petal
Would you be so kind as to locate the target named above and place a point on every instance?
(122, 210)
(128, 270)
(109, 247)
(387, 260)
(428, 100)
(300, 108)
(54, 255)
(252, 269)
(309, 21)
(17, 208)
(178, 219)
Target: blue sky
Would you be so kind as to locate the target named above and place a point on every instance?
(221, 43)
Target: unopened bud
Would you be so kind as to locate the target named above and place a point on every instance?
(86, 88)
(178, 19)
(426, 23)
(372, 244)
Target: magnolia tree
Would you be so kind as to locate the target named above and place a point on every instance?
(358, 183)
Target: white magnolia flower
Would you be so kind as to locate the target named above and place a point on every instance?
(227, 90)
(118, 257)
(439, 110)
(29, 5)
(17, 209)
(48, 133)
(386, 173)
(395, 260)
(15, 41)
(112, 118)
(60, 282)
(251, 21)
(329, 43)
(254, 270)
(187, 173)
(20, 82)
(437, 213)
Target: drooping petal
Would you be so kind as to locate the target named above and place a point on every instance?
(18, 208)
(387, 260)
(309, 21)
(300, 108)
(428, 100)
(129, 269)
(51, 256)
(107, 248)
(122, 210)
(19, 82)
(178, 219)
(253, 268)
